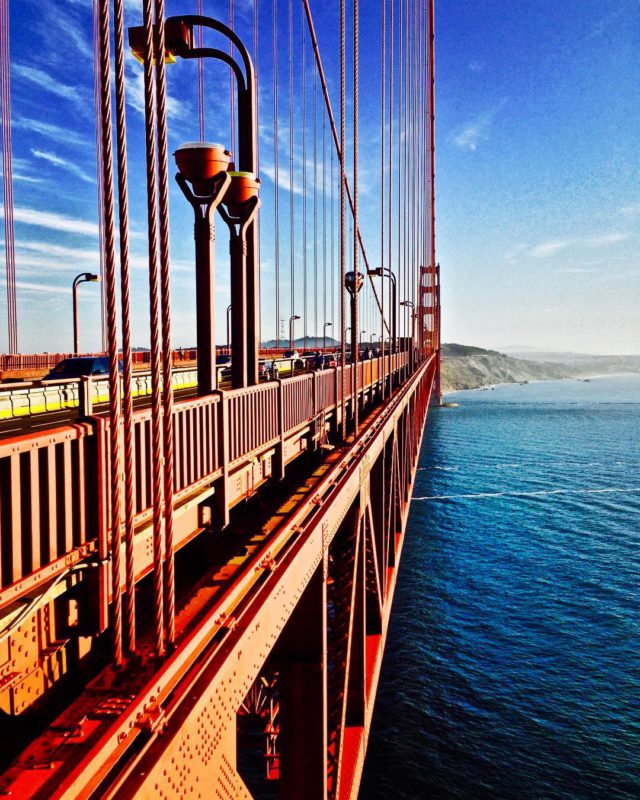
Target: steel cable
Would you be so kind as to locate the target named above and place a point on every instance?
(343, 310)
(304, 187)
(356, 261)
(112, 332)
(336, 139)
(201, 117)
(276, 179)
(154, 323)
(292, 241)
(99, 160)
(7, 177)
(165, 308)
(125, 307)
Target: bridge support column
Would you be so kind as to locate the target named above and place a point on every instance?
(302, 662)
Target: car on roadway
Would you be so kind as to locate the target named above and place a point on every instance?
(329, 361)
(79, 367)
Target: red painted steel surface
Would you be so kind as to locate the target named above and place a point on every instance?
(174, 723)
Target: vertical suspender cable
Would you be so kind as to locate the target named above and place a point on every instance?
(383, 122)
(315, 208)
(334, 132)
(99, 160)
(392, 310)
(7, 176)
(165, 310)
(324, 233)
(154, 321)
(276, 178)
(356, 253)
(292, 242)
(232, 96)
(127, 406)
(333, 263)
(112, 333)
(201, 77)
(304, 186)
(343, 310)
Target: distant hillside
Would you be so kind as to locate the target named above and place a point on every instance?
(472, 367)
(465, 367)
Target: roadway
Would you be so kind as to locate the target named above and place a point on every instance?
(32, 423)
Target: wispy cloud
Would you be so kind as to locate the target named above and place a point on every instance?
(53, 221)
(135, 93)
(63, 163)
(549, 248)
(631, 210)
(476, 130)
(45, 81)
(475, 66)
(55, 132)
(589, 242)
(42, 288)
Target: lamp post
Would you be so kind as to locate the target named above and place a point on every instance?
(292, 320)
(324, 336)
(83, 277)
(242, 200)
(362, 333)
(381, 272)
(409, 304)
(204, 180)
(229, 327)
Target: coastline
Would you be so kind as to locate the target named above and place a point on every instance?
(581, 379)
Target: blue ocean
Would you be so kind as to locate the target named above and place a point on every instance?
(512, 667)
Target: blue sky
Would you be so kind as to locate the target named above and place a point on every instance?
(537, 171)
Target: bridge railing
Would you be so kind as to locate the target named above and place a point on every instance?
(53, 498)
(48, 503)
(252, 418)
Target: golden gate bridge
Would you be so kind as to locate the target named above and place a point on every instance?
(196, 578)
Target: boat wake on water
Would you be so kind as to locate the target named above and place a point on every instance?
(541, 493)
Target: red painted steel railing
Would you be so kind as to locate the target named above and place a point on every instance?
(53, 509)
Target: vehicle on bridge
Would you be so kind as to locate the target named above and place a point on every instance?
(82, 366)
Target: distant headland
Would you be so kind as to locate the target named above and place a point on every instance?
(465, 367)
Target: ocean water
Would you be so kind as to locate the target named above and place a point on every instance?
(512, 667)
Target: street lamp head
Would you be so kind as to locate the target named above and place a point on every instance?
(353, 282)
(200, 162)
(376, 271)
(243, 187)
(92, 277)
(328, 324)
(295, 316)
